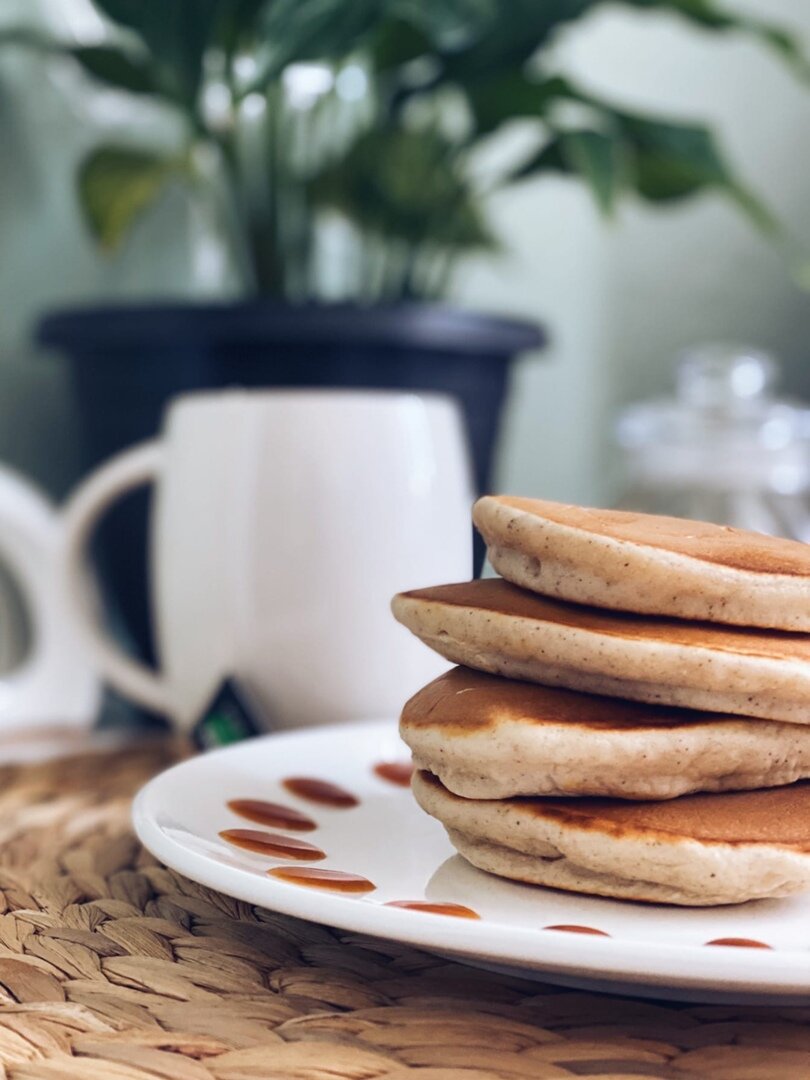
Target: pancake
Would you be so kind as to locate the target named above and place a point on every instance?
(491, 738)
(698, 850)
(648, 564)
(495, 627)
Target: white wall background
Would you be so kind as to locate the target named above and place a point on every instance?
(619, 301)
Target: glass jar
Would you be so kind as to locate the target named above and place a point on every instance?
(724, 449)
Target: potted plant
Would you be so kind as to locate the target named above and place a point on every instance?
(297, 114)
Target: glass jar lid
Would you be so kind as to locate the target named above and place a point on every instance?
(724, 429)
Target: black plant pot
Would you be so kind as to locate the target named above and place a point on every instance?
(127, 362)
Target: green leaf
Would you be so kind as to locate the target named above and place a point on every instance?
(395, 43)
(550, 158)
(513, 95)
(671, 161)
(27, 38)
(116, 185)
(596, 158)
(592, 155)
(404, 185)
(117, 68)
(448, 24)
(124, 69)
(238, 24)
(177, 34)
(107, 63)
(133, 14)
(520, 30)
(298, 30)
(660, 160)
(785, 44)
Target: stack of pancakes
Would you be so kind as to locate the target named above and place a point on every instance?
(623, 667)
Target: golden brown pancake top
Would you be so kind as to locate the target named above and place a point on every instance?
(718, 544)
(779, 815)
(463, 701)
(495, 596)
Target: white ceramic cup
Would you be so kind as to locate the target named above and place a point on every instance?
(283, 523)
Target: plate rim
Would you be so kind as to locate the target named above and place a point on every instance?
(785, 972)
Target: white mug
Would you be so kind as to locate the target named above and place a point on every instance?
(48, 690)
(283, 523)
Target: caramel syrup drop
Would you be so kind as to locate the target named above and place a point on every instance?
(458, 910)
(272, 814)
(265, 843)
(336, 880)
(740, 943)
(578, 930)
(320, 791)
(395, 772)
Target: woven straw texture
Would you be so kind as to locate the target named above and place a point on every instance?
(114, 968)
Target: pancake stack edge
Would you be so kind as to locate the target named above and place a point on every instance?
(631, 717)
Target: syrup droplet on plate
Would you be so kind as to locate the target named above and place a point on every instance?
(395, 772)
(271, 814)
(458, 910)
(320, 791)
(336, 880)
(740, 943)
(265, 843)
(572, 929)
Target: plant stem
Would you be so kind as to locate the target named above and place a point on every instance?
(268, 259)
(231, 197)
(249, 152)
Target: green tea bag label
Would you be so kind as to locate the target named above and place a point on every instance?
(230, 717)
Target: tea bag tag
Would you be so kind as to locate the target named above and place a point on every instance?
(231, 716)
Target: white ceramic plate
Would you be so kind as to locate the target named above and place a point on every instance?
(656, 950)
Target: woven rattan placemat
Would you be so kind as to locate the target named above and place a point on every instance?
(114, 968)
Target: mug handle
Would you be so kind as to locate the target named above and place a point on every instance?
(132, 469)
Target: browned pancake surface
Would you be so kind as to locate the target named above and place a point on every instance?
(778, 816)
(719, 544)
(464, 701)
(498, 597)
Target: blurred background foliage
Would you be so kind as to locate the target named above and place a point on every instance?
(620, 297)
(379, 113)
